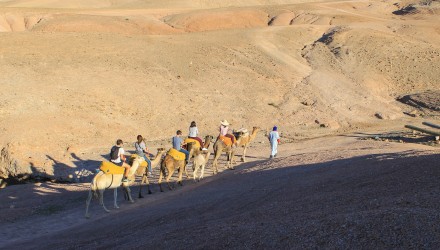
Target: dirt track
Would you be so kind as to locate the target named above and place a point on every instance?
(333, 192)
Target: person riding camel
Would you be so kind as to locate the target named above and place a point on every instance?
(118, 158)
(193, 132)
(142, 151)
(224, 129)
(178, 142)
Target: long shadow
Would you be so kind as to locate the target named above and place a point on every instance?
(371, 201)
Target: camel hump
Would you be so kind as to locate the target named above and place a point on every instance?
(110, 168)
(189, 140)
(242, 130)
(176, 154)
(142, 164)
(226, 140)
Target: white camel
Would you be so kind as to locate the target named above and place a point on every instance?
(103, 181)
(200, 160)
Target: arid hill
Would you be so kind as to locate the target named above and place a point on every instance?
(77, 76)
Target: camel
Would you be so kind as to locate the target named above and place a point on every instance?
(200, 161)
(219, 147)
(200, 157)
(170, 164)
(103, 181)
(197, 148)
(143, 171)
(244, 139)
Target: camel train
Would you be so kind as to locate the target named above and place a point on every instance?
(110, 176)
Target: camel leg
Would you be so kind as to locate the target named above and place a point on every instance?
(243, 157)
(186, 172)
(160, 180)
(202, 171)
(101, 200)
(127, 189)
(215, 163)
(88, 204)
(181, 169)
(140, 187)
(148, 185)
(115, 195)
(196, 168)
(168, 179)
(232, 159)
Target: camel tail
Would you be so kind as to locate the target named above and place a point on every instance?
(162, 168)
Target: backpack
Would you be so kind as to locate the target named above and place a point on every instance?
(114, 153)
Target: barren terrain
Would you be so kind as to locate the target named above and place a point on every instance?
(340, 79)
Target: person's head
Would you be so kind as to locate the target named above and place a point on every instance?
(225, 123)
(193, 124)
(140, 138)
(275, 128)
(178, 132)
(119, 142)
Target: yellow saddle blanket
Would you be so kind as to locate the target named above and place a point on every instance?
(226, 140)
(143, 164)
(110, 168)
(176, 154)
(189, 140)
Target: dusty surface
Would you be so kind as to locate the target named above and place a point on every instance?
(327, 192)
(77, 75)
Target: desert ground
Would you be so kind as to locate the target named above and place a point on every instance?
(340, 79)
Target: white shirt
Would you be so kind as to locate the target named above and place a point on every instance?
(121, 152)
(193, 132)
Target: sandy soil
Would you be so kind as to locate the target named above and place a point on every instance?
(77, 75)
(327, 192)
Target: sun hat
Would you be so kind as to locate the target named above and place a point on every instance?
(225, 123)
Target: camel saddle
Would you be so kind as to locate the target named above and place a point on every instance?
(143, 164)
(189, 140)
(241, 132)
(110, 168)
(226, 140)
(176, 154)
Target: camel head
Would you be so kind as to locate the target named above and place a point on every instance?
(135, 165)
(189, 145)
(160, 150)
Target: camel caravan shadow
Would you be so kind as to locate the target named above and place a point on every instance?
(366, 195)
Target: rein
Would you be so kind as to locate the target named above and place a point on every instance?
(110, 184)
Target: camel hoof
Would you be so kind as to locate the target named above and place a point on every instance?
(87, 216)
(116, 207)
(132, 201)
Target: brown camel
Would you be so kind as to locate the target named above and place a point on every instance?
(219, 147)
(244, 139)
(169, 164)
(143, 171)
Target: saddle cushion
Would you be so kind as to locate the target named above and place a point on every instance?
(143, 164)
(189, 140)
(226, 140)
(176, 154)
(110, 168)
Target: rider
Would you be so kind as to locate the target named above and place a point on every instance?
(224, 128)
(142, 151)
(177, 144)
(117, 157)
(193, 132)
